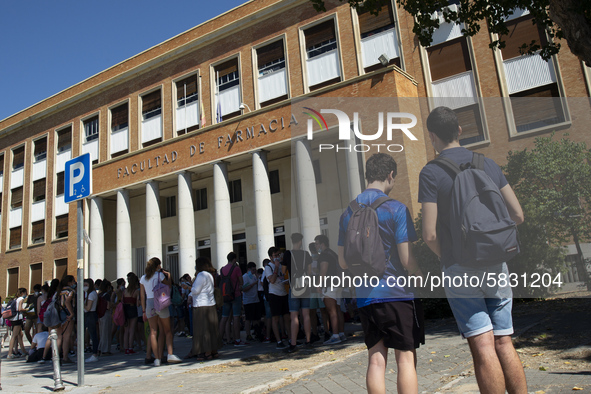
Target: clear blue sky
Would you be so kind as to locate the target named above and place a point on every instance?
(47, 46)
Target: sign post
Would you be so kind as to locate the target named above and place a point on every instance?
(78, 186)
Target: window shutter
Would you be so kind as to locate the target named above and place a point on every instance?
(319, 33)
(449, 58)
(64, 139)
(369, 22)
(119, 116)
(39, 190)
(190, 83)
(17, 197)
(1, 164)
(38, 230)
(18, 159)
(61, 226)
(40, 146)
(15, 237)
(521, 31)
(270, 53)
(531, 111)
(60, 184)
(227, 67)
(469, 118)
(151, 101)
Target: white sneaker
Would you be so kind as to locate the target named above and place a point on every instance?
(333, 340)
(157, 362)
(342, 337)
(172, 359)
(41, 361)
(92, 359)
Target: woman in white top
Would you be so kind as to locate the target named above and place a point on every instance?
(91, 317)
(206, 339)
(156, 319)
(17, 324)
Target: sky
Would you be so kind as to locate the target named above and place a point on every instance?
(48, 46)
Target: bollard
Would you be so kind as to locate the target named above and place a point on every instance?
(57, 373)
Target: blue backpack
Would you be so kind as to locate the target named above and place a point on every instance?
(482, 231)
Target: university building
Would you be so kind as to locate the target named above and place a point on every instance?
(194, 144)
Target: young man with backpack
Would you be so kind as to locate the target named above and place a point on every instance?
(483, 314)
(390, 315)
(231, 285)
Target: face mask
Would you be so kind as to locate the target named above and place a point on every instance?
(36, 293)
(86, 288)
(122, 288)
(74, 285)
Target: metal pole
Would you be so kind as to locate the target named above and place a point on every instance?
(80, 293)
(57, 373)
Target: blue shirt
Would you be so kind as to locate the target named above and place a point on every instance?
(396, 226)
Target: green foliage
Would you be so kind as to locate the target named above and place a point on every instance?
(472, 13)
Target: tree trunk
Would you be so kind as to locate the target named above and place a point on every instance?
(583, 274)
(570, 16)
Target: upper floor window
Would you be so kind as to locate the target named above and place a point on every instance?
(91, 128)
(378, 38)
(119, 126)
(119, 117)
(322, 58)
(64, 139)
(17, 198)
(272, 75)
(151, 105)
(187, 105)
(40, 152)
(18, 158)
(201, 199)
(39, 190)
(228, 90)
(151, 117)
(235, 188)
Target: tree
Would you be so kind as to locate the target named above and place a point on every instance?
(553, 184)
(562, 19)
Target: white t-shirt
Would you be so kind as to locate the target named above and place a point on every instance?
(276, 288)
(150, 283)
(40, 339)
(202, 290)
(251, 295)
(93, 296)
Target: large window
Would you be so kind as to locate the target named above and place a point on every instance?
(378, 37)
(272, 73)
(322, 57)
(227, 78)
(151, 117)
(119, 130)
(235, 188)
(531, 81)
(187, 105)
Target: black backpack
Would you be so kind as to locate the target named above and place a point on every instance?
(227, 286)
(364, 250)
(482, 231)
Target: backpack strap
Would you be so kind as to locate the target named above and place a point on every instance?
(354, 205)
(478, 161)
(447, 164)
(374, 205)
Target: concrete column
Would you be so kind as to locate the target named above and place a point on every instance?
(187, 251)
(223, 214)
(153, 221)
(353, 176)
(124, 264)
(307, 198)
(262, 205)
(96, 264)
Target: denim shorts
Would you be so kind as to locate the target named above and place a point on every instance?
(268, 314)
(151, 311)
(316, 301)
(480, 309)
(297, 303)
(234, 306)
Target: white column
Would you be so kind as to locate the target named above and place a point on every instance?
(262, 205)
(353, 177)
(223, 215)
(153, 221)
(187, 251)
(123, 234)
(307, 198)
(96, 265)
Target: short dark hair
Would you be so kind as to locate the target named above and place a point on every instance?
(251, 265)
(322, 239)
(443, 122)
(296, 237)
(37, 287)
(272, 250)
(231, 256)
(379, 166)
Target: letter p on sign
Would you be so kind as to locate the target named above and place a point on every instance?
(78, 182)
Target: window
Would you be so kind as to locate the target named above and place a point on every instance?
(40, 149)
(36, 274)
(39, 190)
(170, 209)
(228, 90)
(187, 109)
(18, 158)
(274, 181)
(119, 117)
(17, 198)
(38, 232)
(61, 226)
(151, 118)
(15, 238)
(64, 139)
(378, 37)
(151, 105)
(60, 269)
(235, 188)
(317, 173)
(531, 81)
(91, 129)
(1, 164)
(272, 75)
(322, 58)
(12, 281)
(119, 128)
(200, 199)
(59, 188)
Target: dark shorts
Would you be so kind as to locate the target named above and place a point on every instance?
(279, 305)
(252, 311)
(130, 311)
(400, 324)
(15, 323)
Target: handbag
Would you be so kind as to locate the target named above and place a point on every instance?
(119, 315)
(161, 295)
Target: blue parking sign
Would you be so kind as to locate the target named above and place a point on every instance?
(78, 178)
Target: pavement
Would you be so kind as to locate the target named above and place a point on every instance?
(444, 365)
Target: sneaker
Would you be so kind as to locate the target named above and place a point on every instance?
(11, 356)
(92, 359)
(333, 340)
(182, 334)
(173, 359)
(239, 343)
(291, 349)
(343, 337)
(41, 361)
(157, 362)
(281, 345)
(267, 340)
